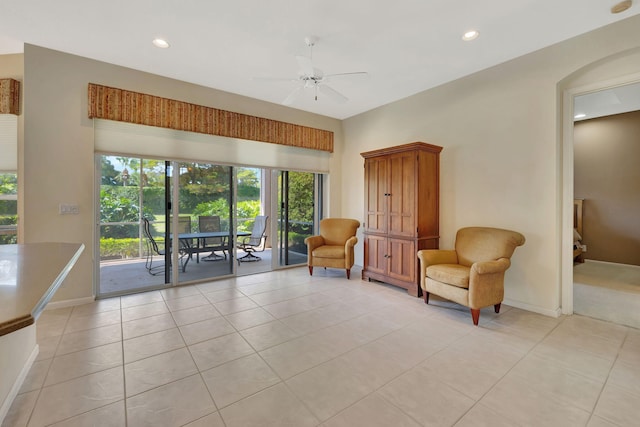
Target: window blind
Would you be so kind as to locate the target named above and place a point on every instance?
(161, 143)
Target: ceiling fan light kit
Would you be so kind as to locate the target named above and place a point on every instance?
(310, 77)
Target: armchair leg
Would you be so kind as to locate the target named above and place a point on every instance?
(497, 307)
(426, 297)
(348, 273)
(475, 315)
(310, 270)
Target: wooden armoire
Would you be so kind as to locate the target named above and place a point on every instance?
(401, 189)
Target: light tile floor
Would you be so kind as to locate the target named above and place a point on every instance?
(286, 349)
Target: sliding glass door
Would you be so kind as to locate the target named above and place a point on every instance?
(300, 208)
(141, 201)
(164, 222)
(131, 188)
(205, 220)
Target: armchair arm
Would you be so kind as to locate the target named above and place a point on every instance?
(429, 257)
(313, 242)
(348, 251)
(242, 241)
(437, 256)
(350, 243)
(490, 267)
(486, 282)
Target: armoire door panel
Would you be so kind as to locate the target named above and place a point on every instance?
(376, 193)
(402, 259)
(428, 197)
(402, 173)
(375, 254)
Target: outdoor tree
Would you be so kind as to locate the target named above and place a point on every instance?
(109, 172)
(301, 201)
(248, 184)
(200, 182)
(130, 173)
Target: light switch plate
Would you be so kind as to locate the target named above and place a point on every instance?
(67, 209)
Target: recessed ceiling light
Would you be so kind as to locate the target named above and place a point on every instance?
(621, 7)
(580, 116)
(161, 43)
(470, 35)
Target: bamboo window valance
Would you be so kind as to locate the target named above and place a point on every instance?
(139, 108)
(9, 96)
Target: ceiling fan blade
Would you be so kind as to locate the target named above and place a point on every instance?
(333, 94)
(305, 65)
(293, 96)
(354, 75)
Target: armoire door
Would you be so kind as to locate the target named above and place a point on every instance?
(401, 259)
(375, 254)
(401, 196)
(376, 181)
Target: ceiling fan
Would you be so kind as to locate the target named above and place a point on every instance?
(310, 77)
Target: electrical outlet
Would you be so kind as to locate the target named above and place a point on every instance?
(584, 248)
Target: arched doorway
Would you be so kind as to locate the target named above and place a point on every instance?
(614, 71)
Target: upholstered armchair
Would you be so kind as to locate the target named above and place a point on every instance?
(334, 246)
(473, 274)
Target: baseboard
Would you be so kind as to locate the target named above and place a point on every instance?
(17, 385)
(69, 303)
(611, 263)
(524, 306)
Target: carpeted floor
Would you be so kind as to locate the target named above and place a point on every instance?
(607, 291)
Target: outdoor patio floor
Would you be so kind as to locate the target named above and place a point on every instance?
(125, 276)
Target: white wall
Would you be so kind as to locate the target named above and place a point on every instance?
(500, 129)
(501, 165)
(58, 145)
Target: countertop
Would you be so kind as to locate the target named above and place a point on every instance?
(29, 276)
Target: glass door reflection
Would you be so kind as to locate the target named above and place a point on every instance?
(297, 198)
(205, 220)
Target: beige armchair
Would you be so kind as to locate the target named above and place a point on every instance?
(334, 246)
(473, 274)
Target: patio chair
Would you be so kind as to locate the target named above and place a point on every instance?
(187, 246)
(250, 244)
(153, 250)
(212, 223)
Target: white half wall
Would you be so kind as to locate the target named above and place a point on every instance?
(18, 350)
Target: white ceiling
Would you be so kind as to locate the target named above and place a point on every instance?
(406, 46)
(617, 100)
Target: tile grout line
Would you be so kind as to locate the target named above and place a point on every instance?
(353, 349)
(68, 380)
(199, 373)
(124, 376)
(604, 384)
(49, 368)
(560, 323)
(563, 322)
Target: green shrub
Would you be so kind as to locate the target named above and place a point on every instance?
(8, 219)
(247, 211)
(296, 242)
(8, 239)
(122, 248)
